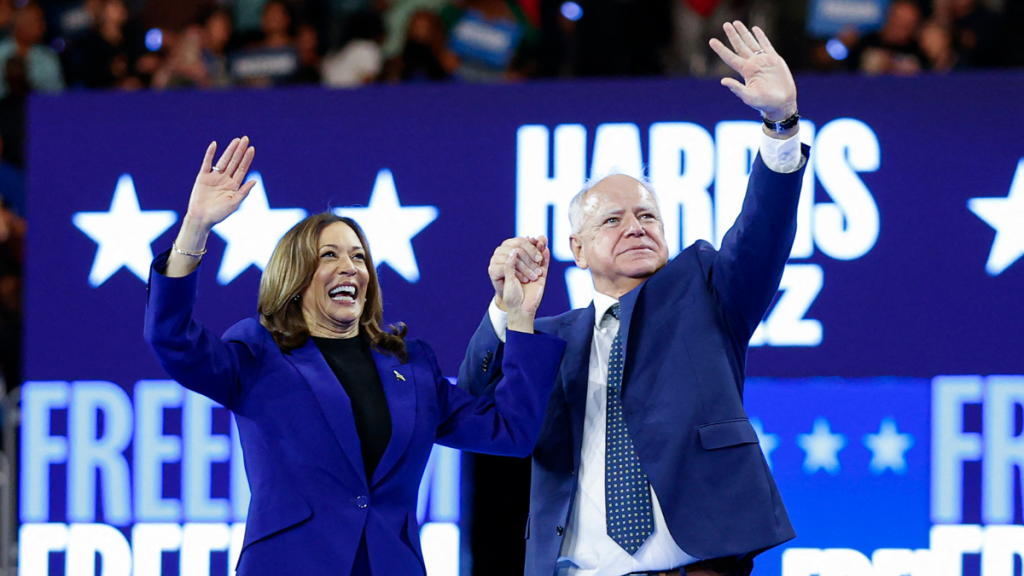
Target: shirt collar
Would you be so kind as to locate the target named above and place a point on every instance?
(602, 302)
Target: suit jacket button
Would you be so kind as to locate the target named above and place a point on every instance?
(362, 501)
(559, 530)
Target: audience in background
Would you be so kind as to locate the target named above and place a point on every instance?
(894, 49)
(42, 65)
(7, 10)
(271, 58)
(978, 34)
(12, 241)
(174, 15)
(361, 60)
(184, 66)
(276, 26)
(217, 30)
(12, 185)
(396, 15)
(12, 112)
(425, 55)
(307, 47)
(937, 45)
(101, 56)
(163, 44)
(491, 38)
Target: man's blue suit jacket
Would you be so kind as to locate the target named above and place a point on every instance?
(311, 501)
(685, 334)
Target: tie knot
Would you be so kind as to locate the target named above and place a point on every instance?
(613, 311)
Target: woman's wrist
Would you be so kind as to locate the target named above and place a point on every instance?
(193, 235)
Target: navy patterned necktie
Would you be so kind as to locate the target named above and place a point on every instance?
(627, 495)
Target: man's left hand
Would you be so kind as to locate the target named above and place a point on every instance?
(768, 84)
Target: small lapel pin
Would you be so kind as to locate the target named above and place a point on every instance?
(399, 376)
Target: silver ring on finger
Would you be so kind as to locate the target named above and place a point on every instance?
(761, 51)
(217, 169)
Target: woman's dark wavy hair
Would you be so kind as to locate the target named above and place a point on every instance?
(289, 272)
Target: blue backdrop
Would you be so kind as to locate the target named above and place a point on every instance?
(872, 393)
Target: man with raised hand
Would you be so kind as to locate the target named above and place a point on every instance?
(647, 463)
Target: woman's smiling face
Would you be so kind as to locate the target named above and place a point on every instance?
(333, 302)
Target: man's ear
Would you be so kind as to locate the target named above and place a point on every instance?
(576, 244)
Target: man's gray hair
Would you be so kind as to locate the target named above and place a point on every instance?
(576, 209)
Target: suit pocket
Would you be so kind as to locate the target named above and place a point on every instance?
(265, 521)
(728, 433)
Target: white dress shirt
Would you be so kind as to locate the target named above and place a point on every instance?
(587, 550)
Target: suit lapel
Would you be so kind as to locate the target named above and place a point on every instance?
(333, 400)
(575, 372)
(400, 389)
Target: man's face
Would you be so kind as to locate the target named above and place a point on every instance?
(622, 240)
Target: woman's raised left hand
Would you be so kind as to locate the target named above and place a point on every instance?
(523, 299)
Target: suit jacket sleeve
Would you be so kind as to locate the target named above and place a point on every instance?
(746, 271)
(481, 368)
(510, 423)
(191, 354)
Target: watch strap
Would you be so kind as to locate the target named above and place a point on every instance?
(782, 125)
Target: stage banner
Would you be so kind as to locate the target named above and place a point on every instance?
(886, 380)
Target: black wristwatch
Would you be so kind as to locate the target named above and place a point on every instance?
(782, 125)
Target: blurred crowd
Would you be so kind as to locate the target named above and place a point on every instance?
(160, 44)
(940, 36)
(61, 45)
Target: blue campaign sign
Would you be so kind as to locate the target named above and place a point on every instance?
(874, 393)
(830, 17)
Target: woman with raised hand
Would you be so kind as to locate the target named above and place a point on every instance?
(336, 414)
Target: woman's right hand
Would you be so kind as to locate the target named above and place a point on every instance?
(217, 193)
(219, 188)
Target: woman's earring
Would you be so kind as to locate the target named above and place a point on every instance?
(296, 298)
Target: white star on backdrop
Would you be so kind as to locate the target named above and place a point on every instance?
(253, 231)
(390, 227)
(822, 448)
(768, 442)
(888, 447)
(123, 234)
(1006, 215)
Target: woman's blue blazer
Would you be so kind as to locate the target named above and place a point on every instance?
(311, 501)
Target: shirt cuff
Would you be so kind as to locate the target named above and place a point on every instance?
(782, 156)
(499, 320)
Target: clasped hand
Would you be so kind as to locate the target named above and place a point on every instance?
(519, 273)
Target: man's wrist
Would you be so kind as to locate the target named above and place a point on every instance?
(779, 114)
(520, 322)
(784, 135)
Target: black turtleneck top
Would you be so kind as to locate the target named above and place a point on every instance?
(352, 362)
